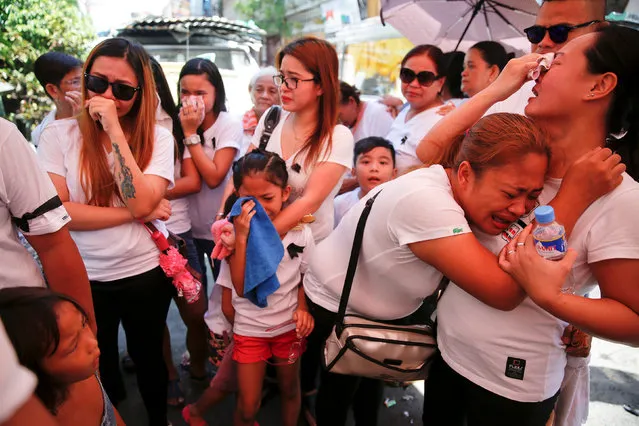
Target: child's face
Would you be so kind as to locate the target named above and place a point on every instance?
(198, 85)
(77, 356)
(71, 82)
(374, 168)
(270, 196)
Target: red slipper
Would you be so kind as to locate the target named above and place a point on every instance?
(186, 415)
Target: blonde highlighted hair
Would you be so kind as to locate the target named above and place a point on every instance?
(96, 178)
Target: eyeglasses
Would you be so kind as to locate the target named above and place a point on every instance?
(424, 78)
(99, 85)
(558, 33)
(74, 82)
(291, 82)
(296, 350)
(297, 347)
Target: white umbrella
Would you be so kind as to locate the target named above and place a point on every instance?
(437, 21)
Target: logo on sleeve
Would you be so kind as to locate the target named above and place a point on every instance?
(515, 368)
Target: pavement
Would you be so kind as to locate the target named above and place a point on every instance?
(614, 383)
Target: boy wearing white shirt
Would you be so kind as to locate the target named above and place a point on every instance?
(60, 75)
(374, 165)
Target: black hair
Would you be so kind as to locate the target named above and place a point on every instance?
(199, 66)
(51, 67)
(493, 53)
(228, 204)
(433, 52)
(347, 91)
(615, 51)
(167, 103)
(368, 144)
(29, 317)
(259, 161)
(134, 54)
(454, 65)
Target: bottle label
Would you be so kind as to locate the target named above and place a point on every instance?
(552, 249)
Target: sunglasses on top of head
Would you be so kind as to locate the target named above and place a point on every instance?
(558, 33)
(99, 85)
(424, 78)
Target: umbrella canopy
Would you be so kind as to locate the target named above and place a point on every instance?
(434, 21)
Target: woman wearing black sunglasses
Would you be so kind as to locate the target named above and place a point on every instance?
(510, 365)
(422, 80)
(111, 167)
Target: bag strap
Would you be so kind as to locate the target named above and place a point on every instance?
(437, 294)
(352, 263)
(429, 302)
(272, 118)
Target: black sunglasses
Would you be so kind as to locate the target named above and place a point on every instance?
(558, 33)
(424, 78)
(122, 91)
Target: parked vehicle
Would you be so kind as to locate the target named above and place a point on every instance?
(231, 45)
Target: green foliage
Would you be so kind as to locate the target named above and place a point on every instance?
(29, 28)
(268, 15)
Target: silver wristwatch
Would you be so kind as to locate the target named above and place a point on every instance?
(192, 140)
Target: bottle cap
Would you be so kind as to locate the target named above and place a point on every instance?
(545, 214)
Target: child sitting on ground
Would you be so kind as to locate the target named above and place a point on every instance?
(52, 338)
(273, 333)
(374, 164)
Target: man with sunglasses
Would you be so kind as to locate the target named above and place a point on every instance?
(557, 23)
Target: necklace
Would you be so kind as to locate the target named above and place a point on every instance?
(298, 138)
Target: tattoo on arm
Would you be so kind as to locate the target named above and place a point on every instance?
(125, 176)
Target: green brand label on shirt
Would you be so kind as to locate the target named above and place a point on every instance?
(457, 231)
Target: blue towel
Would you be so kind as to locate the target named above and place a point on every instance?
(264, 252)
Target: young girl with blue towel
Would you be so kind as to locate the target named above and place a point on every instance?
(264, 274)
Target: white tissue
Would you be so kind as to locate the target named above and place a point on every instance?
(196, 102)
(543, 65)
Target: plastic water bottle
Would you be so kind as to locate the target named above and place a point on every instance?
(550, 239)
(548, 235)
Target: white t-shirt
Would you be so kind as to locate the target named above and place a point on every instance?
(24, 187)
(344, 202)
(179, 222)
(406, 135)
(390, 281)
(112, 253)
(341, 153)
(251, 320)
(226, 132)
(17, 383)
(516, 103)
(35, 135)
(375, 121)
(214, 317)
(477, 340)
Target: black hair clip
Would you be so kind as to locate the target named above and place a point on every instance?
(404, 139)
(296, 168)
